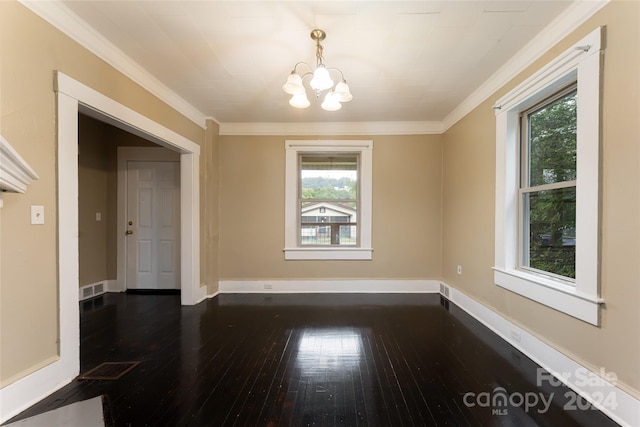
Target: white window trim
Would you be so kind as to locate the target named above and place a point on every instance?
(292, 251)
(581, 62)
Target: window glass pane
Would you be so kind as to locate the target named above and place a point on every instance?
(550, 224)
(328, 199)
(329, 177)
(331, 234)
(552, 141)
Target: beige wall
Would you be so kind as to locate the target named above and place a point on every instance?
(209, 209)
(468, 226)
(93, 191)
(31, 50)
(406, 211)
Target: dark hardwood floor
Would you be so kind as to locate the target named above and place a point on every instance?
(308, 360)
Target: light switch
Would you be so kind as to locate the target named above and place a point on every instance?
(37, 215)
(98, 216)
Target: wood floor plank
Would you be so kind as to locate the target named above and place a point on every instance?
(295, 360)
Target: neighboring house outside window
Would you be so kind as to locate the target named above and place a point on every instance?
(328, 200)
(547, 183)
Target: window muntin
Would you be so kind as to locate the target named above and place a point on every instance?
(547, 195)
(328, 199)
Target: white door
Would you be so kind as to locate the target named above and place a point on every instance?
(153, 225)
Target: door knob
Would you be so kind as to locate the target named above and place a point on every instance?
(129, 232)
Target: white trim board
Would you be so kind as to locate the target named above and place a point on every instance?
(399, 286)
(564, 24)
(587, 384)
(333, 128)
(58, 14)
(213, 295)
(15, 172)
(81, 98)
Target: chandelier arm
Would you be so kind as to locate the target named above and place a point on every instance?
(308, 73)
(295, 67)
(339, 71)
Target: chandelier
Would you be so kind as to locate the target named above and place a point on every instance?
(320, 81)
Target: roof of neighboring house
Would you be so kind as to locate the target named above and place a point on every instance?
(335, 206)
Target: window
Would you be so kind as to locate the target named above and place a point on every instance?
(547, 183)
(328, 181)
(328, 200)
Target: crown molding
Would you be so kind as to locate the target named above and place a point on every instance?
(564, 24)
(332, 128)
(59, 15)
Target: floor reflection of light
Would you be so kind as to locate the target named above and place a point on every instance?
(329, 349)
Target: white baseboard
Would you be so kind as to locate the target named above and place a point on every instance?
(328, 286)
(621, 407)
(112, 286)
(29, 390)
(213, 295)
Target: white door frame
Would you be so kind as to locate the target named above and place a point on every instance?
(73, 97)
(126, 154)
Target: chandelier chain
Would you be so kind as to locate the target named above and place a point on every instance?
(319, 49)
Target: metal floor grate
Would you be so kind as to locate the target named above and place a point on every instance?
(108, 371)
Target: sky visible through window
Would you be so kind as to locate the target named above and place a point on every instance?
(334, 174)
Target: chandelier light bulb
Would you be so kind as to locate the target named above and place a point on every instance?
(343, 92)
(294, 84)
(299, 100)
(331, 102)
(321, 79)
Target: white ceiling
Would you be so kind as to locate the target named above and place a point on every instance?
(403, 60)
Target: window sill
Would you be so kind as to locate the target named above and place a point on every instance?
(332, 253)
(550, 292)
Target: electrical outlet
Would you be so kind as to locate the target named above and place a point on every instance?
(515, 335)
(459, 270)
(268, 286)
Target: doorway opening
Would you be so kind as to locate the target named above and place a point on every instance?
(73, 98)
(128, 211)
